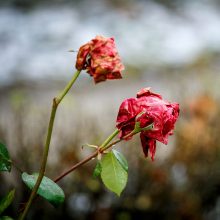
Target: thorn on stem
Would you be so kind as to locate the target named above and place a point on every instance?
(73, 51)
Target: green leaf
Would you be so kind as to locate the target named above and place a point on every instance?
(6, 218)
(121, 159)
(98, 169)
(113, 174)
(5, 161)
(48, 189)
(7, 200)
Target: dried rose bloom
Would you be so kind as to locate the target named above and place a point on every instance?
(99, 57)
(146, 109)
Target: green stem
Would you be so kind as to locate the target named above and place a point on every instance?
(109, 139)
(104, 146)
(56, 102)
(67, 88)
(117, 141)
(93, 155)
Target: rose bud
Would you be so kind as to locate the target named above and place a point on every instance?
(99, 57)
(148, 108)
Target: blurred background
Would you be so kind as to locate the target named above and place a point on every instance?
(172, 46)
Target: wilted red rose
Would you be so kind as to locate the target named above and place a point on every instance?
(146, 109)
(100, 58)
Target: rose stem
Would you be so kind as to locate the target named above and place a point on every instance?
(56, 102)
(93, 155)
(104, 146)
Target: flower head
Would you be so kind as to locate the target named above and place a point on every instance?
(148, 108)
(100, 59)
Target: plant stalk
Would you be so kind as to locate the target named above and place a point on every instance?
(56, 102)
(104, 146)
(90, 157)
